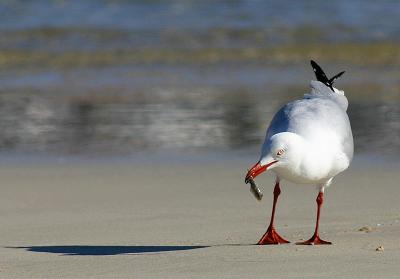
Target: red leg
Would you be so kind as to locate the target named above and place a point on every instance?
(315, 239)
(271, 236)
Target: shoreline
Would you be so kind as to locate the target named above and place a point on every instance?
(174, 157)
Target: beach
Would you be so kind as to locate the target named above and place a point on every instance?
(127, 128)
(197, 220)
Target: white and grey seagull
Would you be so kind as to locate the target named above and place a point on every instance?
(309, 141)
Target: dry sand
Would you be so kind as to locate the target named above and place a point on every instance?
(190, 221)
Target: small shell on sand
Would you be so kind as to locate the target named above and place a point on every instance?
(380, 249)
(366, 229)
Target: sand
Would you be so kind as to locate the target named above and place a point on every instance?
(119, 220)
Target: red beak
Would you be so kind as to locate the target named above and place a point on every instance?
(257, 169)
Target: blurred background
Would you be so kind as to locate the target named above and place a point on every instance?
(187, 79)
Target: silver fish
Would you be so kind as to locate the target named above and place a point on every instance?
(254, 189)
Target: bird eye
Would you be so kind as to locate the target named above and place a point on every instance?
(280, 152)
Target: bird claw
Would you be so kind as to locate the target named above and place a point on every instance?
(272, 237)
(314, 240)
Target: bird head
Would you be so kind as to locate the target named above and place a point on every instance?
(280, 151)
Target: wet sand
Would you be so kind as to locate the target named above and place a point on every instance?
(92, 220)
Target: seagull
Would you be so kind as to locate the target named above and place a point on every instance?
(309, 141)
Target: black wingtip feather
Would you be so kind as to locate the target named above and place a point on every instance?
(321, 76)
(319, 73)
(332, 80)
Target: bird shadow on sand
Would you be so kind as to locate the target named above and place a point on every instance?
(104, 250)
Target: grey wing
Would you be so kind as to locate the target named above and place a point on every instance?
(280, 121)
(299, 117)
